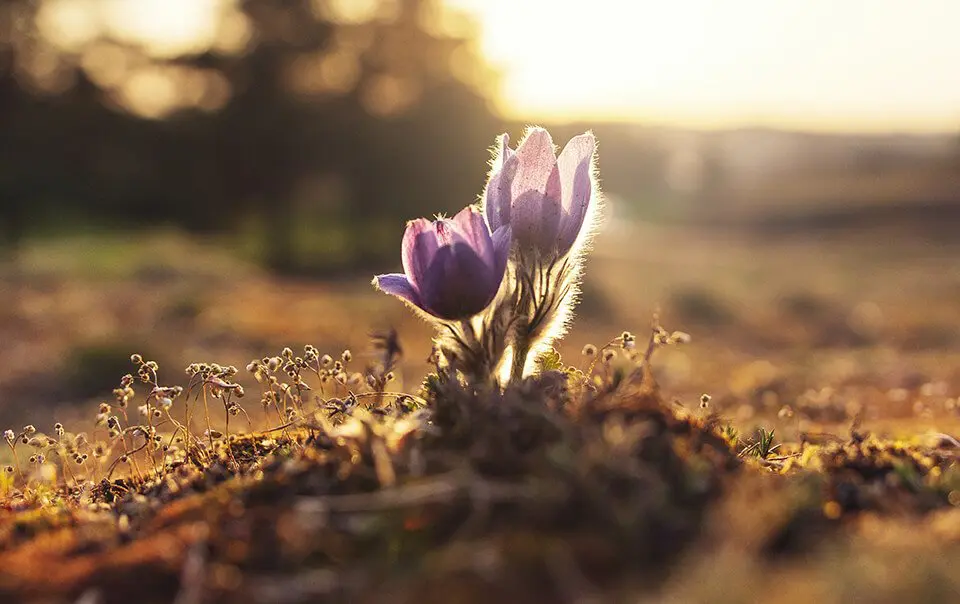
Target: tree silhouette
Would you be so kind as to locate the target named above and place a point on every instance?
(377, 106)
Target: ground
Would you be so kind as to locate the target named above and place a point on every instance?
(819, 466)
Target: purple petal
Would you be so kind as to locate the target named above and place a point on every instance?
(503, 152)
(575, 165)
(497, 197)
(468, 222)
(458, 284)
(502, 240)
(470, 225)
(535, 190)
(399, 286)
(418, 249)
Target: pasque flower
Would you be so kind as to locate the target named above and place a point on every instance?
(452, 267)
(545, 198)
(455, 269)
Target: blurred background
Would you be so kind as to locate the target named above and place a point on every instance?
(210, 180)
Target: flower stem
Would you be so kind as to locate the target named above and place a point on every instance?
(521, 349)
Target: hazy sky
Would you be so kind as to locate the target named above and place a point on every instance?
(831, 64)
(841, 64)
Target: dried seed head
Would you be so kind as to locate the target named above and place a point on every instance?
(704, 401)
(136, 359)
(29, 429)
(589, 350)
(325, 360)
(609, 354)
(9, 436)
(346, 356)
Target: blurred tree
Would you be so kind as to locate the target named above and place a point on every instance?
(324, 123)
(13, 17)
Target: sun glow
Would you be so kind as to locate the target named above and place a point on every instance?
(868, 64)
(166, 27)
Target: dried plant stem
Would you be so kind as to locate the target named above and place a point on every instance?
(151, 448)
(398, 395)
(187, 419)
(283, 424)
(16, 459)
(593, 363)
(298, 400)
(123, 441)
(67, 472)
(226, 434)
(187, 435)
(96, 459)
(206, 415)
(129, 455)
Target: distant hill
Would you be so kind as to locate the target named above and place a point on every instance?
(766, 176)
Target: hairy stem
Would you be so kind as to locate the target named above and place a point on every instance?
(16, 459)
(521, 350)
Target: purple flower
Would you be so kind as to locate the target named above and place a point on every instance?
(544, 198)
(452, 267)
